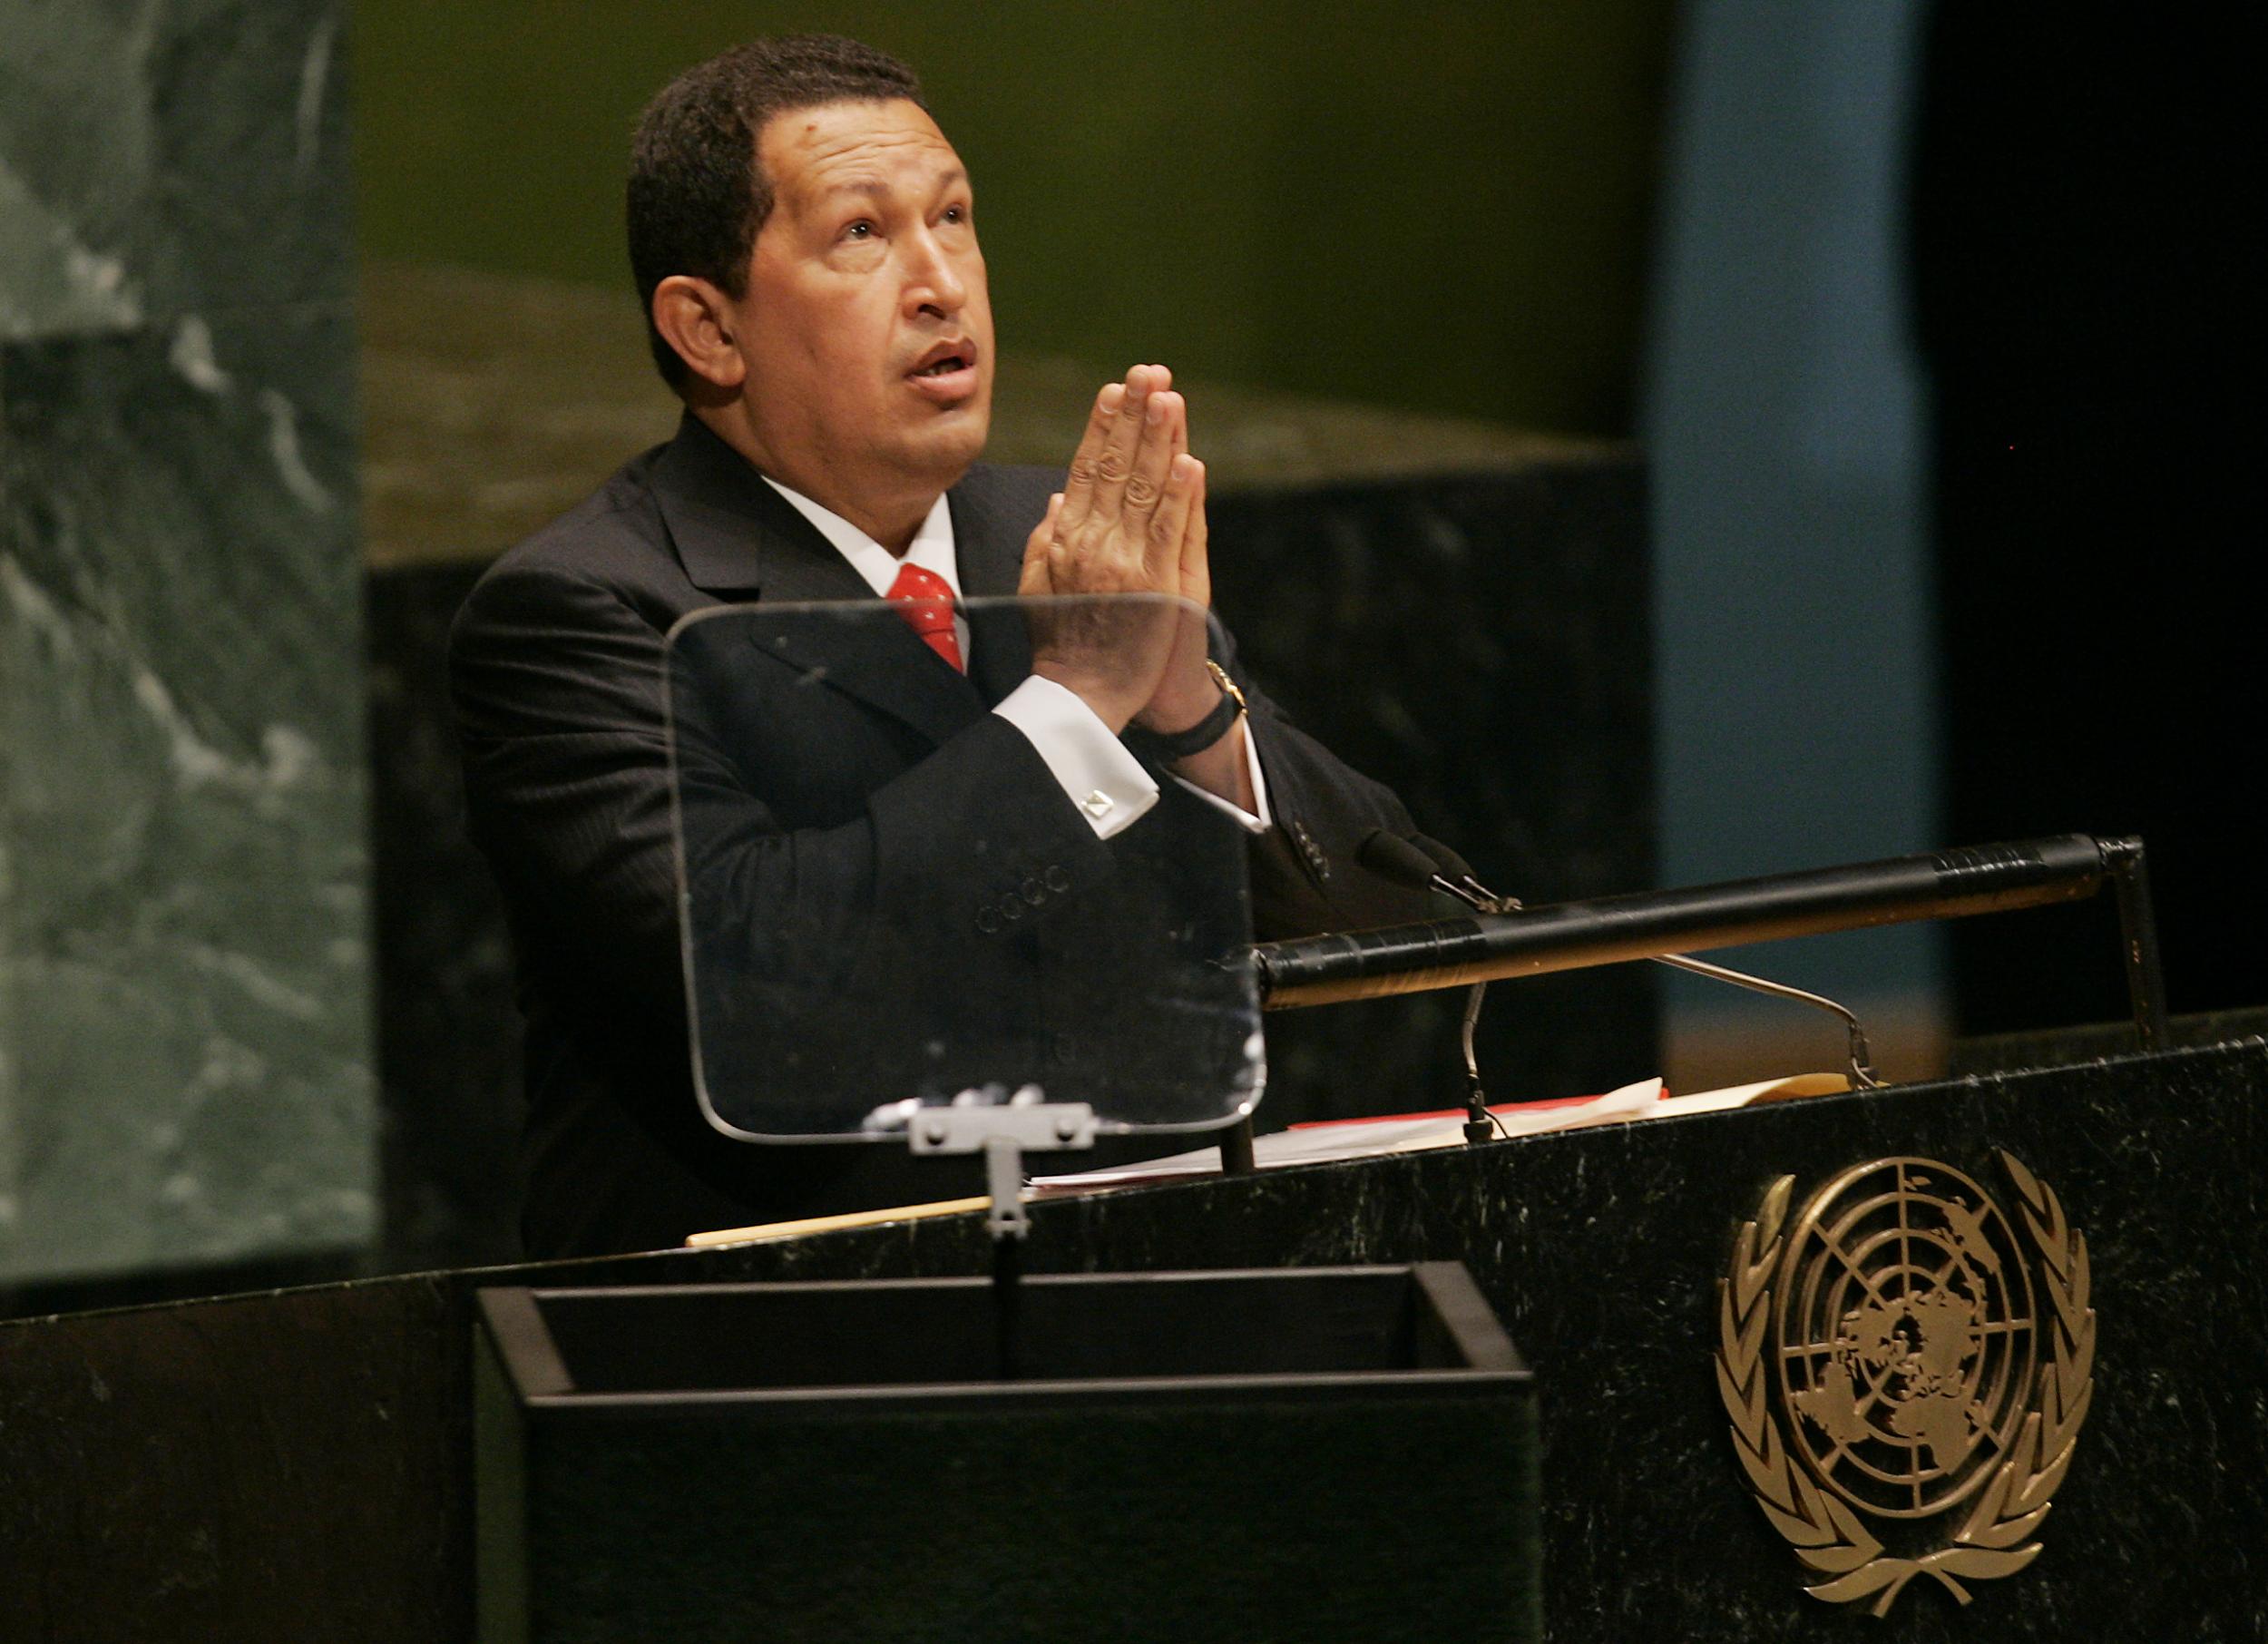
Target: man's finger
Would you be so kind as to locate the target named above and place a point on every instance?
(1115, 461)
(1197, 571)
(1079, 486)
(1038, 574)
(1163, 415)
(1163, 550)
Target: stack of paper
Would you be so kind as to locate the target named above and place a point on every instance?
(1370, 1138)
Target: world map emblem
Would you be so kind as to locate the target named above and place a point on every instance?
(1906, 1369)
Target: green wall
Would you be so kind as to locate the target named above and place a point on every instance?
(185, 975)
(1441, 207)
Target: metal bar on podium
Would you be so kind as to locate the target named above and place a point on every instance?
(1574, 935)
(2137, 932)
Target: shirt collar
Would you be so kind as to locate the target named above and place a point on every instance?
(932, 548)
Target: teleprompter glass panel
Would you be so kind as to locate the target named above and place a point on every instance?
(891, 899)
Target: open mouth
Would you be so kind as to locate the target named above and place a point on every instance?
(946, 374)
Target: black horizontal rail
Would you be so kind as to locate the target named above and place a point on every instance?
(1574, 935)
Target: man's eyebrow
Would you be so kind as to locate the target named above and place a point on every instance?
(873, 188)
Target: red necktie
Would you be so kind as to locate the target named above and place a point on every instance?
(926, 601)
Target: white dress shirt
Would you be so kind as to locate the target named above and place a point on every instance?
(1108, 784)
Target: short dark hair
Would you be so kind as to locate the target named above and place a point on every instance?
(698, 195)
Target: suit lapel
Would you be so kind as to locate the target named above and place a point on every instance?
(989, 551)
(741, 540)
(735, 535)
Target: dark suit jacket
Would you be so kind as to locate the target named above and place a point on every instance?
(557, 667)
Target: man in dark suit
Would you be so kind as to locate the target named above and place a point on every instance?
(803, 237)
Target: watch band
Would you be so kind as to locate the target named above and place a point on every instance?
(1162, 749)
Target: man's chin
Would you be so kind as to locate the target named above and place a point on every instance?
(944, 450)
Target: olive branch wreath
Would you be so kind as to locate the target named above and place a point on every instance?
(1828, 1536)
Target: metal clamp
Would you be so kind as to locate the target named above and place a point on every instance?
(1002, 1131)
(1033, 1124)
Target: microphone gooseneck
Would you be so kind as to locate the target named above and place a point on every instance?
(1391, 855)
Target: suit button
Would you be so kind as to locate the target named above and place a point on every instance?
(1057, 880)
(987, 920)
(1033, 893)
(1010, 909)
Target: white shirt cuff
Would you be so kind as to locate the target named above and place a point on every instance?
(1237, 814)
(1106, 783)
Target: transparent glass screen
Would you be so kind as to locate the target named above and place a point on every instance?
(892, 900)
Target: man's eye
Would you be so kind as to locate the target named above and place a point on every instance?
(956, 213)
(859, 231)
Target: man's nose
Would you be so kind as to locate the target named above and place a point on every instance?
(935, 280)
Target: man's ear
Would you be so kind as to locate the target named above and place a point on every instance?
(696, 318)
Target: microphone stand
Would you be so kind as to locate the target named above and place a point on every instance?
(1479, 1123)
(1507, 939)
(1862, 1060)
(1465, 888)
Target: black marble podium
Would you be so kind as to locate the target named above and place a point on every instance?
(300, 1465)
(1208, 1458)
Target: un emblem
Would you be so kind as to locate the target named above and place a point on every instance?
(1900, 1351)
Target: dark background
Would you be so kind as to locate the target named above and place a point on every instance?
(2086, 284)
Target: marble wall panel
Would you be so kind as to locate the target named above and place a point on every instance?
(183, 963)
(163, 158)
(449, 1030)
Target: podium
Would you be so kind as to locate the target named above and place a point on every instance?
(1309, 1453)
(301, 1464)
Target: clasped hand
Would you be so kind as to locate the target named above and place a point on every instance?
(1130, 519)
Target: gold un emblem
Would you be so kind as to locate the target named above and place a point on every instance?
(1901, 1361)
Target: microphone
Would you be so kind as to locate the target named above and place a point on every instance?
(1454, 866)
(1448, 862)
(1403, 861)
(1424, 864)
(1393, 857)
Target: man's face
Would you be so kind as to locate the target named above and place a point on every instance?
(867, 328)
